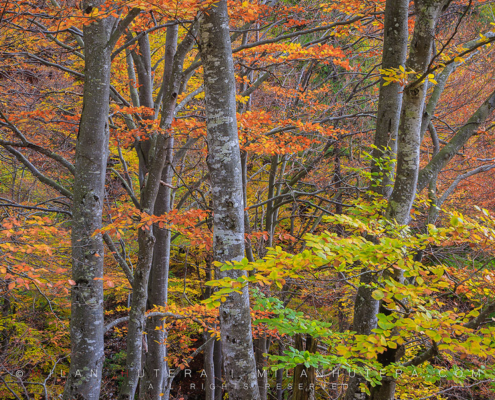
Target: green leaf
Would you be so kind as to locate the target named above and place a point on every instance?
(378, 295)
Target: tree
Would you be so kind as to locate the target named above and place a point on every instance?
(87, 324)
(224, 164)
(396, 32)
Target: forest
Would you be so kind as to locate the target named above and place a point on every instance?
(247, 200)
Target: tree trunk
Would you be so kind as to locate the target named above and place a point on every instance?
(228, 206)
(86, 325)
(404, 191)
(280, 374)
(159, 153)
(304, 378)
(390, 99)
(260, 349)
(389, 110)
(365, 320)
(209, 368)
(155, 369)
(217, 360)
(270, 210)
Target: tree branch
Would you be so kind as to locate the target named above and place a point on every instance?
(118, 257)
(122, 26)
(38, 174)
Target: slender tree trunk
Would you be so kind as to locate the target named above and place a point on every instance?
(228, 206)
(260, 348)
(209, 368)
(247, 223)
(304, 378)
(158, 155)
(280, 373)
(390, 98)
(365, 320)
(404, 191)
(270, 210)
(209, 365)
(217, 361)
(155, 367)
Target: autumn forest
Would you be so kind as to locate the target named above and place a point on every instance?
(247, 200)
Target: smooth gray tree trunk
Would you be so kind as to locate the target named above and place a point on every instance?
(217, 361)
(404, 192)
(390, 99)
(155, 368)
(260, 348)
(86, 326)
(146, 241)
(365, 320)
(224, 165)
(209, 368)
(158, 156)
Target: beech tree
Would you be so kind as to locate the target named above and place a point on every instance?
(91, 156)
(224, 164)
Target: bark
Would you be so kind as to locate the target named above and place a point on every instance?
(435, 97)
(388, 118)
(159, 153)
(270, 210)
(390, 98)
(155, 367)
(209, 368)
(134, 94)
(365, 320)
(421, 49)
(432, 186)
(212, 363)
(146, 241)
(217, 360)
(443, 157)
(260, 348)
(143, 65)
(404, 192)
(304, 378)
(247, 222)
(86, 325)
(280, 373)
(224, 165)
